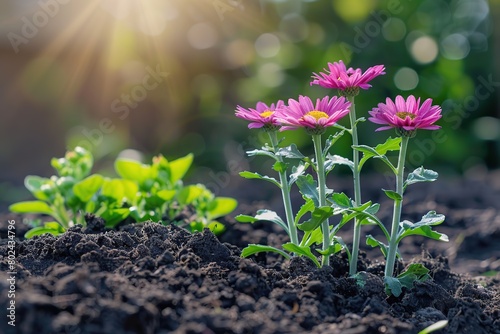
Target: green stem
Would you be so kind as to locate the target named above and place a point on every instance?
(353, 265)
(396, 216)
(285, 193)
(325, 226)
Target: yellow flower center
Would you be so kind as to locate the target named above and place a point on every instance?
(266, 113)
(404, 114)
(317, 114)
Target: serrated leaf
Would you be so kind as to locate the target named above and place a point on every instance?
(420, 175)
(31, 207)
(279, 167)
(333, 160)
(290, 152)
(254, 249)
(318, 216)
(301, 250)
(308, 188)
(252, 175)
(423, 227)
(393, 195)
(296, 172)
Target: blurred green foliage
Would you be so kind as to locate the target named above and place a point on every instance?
(98, 76)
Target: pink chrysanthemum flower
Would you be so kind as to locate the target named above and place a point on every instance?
(406, 116)
(347, 81)
(314, 118)
(262, 116)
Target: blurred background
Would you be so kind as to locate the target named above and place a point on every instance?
(164, 76)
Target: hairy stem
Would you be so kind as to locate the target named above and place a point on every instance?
(325, 226)
(285, 193)
(396, 216)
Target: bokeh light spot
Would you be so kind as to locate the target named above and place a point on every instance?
(295, 27)
(353, 10)
(424, 50)
(406, 79)
(455, 46)
(487, 128)
(267, 45)
(202, 36)
(239, 53)
(394, 29)
(271, 75)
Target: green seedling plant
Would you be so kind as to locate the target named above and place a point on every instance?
(310, 231)
(64, 195)
(142, 192)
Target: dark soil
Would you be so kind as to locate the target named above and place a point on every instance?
(149, 278)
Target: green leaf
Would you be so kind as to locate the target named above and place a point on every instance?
(119, 189)
(114, 216)
(308, 206)
(133, 170)
(252, 175)
(371, 241)
(301, 250)
(318, 216)
(379, 151)
(414, 272)
(223, 206)
(332, 249)
(310, 238)
(332, 139)
(333, 160)
(280, 167)
(264, 152)
(31, 207)
(179, 167)
(341, 200)
(216, 227)
(434, 327)
(420, 175)
(393, 195)
(267, 215)
(50, 227)
(36, 184)
(308, 188)
(297, 171)
(423, 227)
(86, 188)
(166, 194)
(190, 193)
(254, 249)
(393, 286)
(290, 152)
